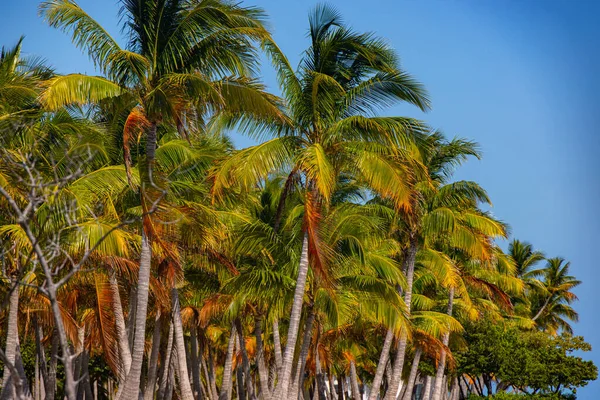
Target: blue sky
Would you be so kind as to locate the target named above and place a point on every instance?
(519, 77)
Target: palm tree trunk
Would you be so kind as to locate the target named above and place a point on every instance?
(43, 367)
(277, 345)
(182, 372)
(427, 388)
(409, 262)
(130, 328)
(332, 392)
(12, 340)
(288, 358)
(320, 386)
(383, 359)
(410, 385)
(354, 381)
(195, 359)
(245, 360)
(455, 389)
(121, 329)
(51, 386)
(131, 388)
(212, 381)
(263, 373)
(439, 376)
(226, 385)
(298, 384)
(166, 363)
(153, 362)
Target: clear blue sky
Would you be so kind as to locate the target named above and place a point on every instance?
(519, 77)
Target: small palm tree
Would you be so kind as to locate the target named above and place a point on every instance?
(551, 305)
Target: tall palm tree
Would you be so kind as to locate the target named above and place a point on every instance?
(433, 214)
(173, 72)
(343, 80)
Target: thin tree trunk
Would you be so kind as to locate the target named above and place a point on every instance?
(288, 358)
(454, 391)
(153, 362)
(340, 388)
(263, 373)
(131, 388)
(298, 383)
(195, 360)
(182, 372)
(226, 385)
(245, 360)
(320, 386)
(12, 340)
(354, 381)
(166, 363)
(392, 391)
(41, 354)
(383, 359)
(427, 388)
(211, 374)
(439, 376)
(132, 382)
(130, 327)
(79, 359)
(332, 392)
(52, 365)
(410, 385)
(239, 380)
(277, 346)
(124, 352)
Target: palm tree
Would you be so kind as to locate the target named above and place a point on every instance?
(551, 305)
(433, 214)
(172, 73)
(344, 78)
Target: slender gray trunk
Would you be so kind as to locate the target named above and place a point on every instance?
(123, 341)
(288, 358)
(439, 376)
(354, 381)
(211, 374)
(226, 386)
(12, 340)
(410, 385)
(245, 360)
(131, 388)
(455, 389)
(130, 328)
(166, 364)
(427, 388)
(263, 373)
(51, 386)
(383, 359)
(409, 262)
(182, 372)
(277, 346)
(153, 362)
(332, 392)
(298, 383)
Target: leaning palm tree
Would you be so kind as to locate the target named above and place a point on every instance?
(343, 80)
(551, 308)
(185, 60)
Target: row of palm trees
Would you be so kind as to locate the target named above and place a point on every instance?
(330, 261)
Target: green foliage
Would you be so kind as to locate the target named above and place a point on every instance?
(529, 361)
